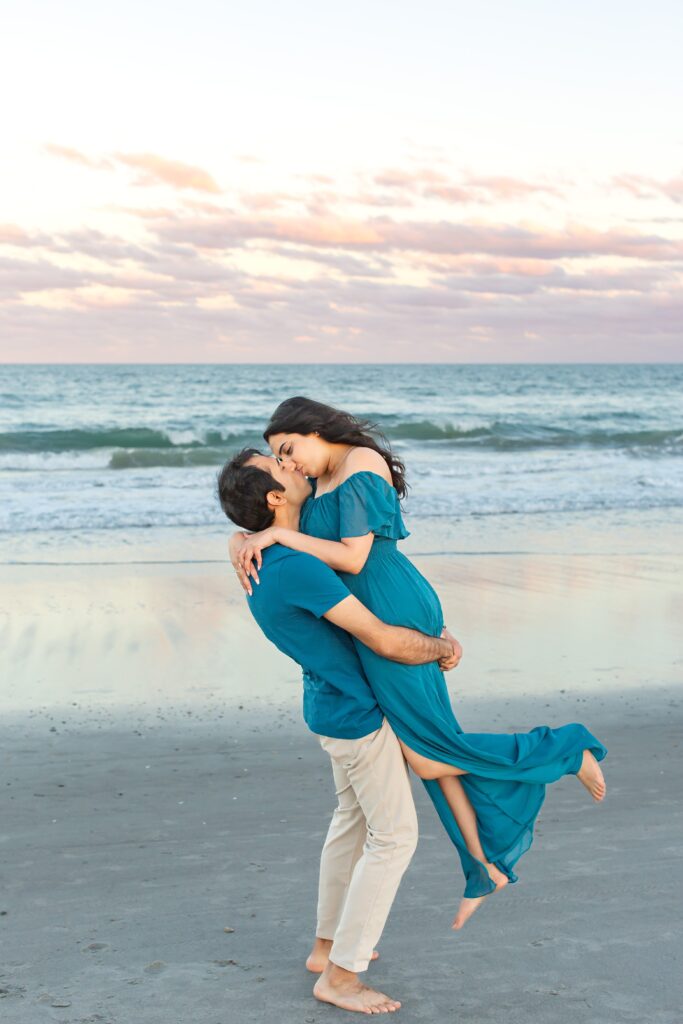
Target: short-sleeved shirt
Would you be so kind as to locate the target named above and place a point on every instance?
(289, 603)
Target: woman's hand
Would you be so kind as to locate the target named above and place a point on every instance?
(446, 664)
(248, 556)
(235, 543)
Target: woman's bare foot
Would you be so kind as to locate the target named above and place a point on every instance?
(343, 989)
(590, 774)
(469, 904)
(319, 956)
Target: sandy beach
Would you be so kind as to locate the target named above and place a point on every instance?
(164, 804)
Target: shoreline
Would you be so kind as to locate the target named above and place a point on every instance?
(180, 633)
(604, 532)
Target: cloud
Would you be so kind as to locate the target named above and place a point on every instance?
(377, 320)
(267, 200)
(229, 231)
(76, 156)
(648, 188)
(378, 270)
(23, 276)
(556, 278)
(385, 234)
(468, 189)
(411, 180)
(501, 187)
(155, 170)
(13, 234)
(343, 263)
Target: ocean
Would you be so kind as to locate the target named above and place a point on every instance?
(94, 453)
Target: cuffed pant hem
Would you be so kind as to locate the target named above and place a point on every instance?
(356, 966)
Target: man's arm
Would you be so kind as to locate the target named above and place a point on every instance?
(397, 643)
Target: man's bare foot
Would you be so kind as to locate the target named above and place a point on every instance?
(319, 956)
(343, 989)
(590, 774)
(468, 905)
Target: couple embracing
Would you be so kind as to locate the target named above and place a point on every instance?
(328, 585)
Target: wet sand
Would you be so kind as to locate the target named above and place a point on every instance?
(160, 788)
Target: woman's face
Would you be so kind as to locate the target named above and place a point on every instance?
(306, 452)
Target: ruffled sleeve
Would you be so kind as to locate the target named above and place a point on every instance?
(368, 504)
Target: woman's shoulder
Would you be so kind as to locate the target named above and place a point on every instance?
(366, 460)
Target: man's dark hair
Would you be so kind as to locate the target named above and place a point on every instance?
(242, 492)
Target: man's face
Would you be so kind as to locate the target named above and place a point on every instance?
(297, 488)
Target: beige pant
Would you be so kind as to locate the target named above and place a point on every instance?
(371, 838)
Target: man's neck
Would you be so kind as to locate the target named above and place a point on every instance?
(287, 516)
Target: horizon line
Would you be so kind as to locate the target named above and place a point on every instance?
(555, 362)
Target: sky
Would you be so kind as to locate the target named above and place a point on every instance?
(366, 182)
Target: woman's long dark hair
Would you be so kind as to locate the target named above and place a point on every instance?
(300, 415)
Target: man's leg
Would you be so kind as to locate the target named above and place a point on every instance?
(343, 847)
(378, 775)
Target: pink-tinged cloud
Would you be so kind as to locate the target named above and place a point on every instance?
(380, 322)
(228, 232)
(18, 277)
(383, 234)
(76, 156)
(12, 234)
(374, 283)
(471, 189)
(520, 241)
(145, 212)
(450, 193)
(155, 170)
(648, 188)
(501, 187)
(267, 200)
(317, 179)
(410, 180)
(382, 199)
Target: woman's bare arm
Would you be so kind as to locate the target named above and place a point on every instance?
(347, 555)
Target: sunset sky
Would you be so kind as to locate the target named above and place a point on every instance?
(378, 181)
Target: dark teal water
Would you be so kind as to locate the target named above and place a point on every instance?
(128, 447)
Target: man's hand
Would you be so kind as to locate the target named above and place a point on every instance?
(446, 664)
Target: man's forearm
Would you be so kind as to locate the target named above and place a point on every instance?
(408, 646)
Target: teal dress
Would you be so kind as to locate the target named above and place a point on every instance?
(508, 772)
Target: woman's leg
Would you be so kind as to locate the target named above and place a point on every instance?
(425, 768)
(465, 816)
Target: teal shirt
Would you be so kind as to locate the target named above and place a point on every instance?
(289, 603)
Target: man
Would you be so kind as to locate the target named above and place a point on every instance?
(306, 610)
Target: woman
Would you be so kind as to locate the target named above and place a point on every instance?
(487, 788)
